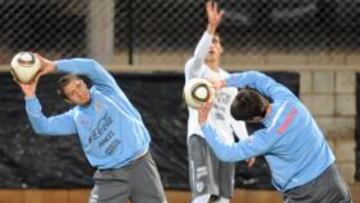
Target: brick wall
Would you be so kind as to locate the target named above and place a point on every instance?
(330, 96)
(327, 87)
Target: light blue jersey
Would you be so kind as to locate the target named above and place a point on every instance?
(111, 130)
(291, 141)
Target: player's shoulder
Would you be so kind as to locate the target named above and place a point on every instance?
(74, 111)
(223, 73)
(285, 107)
(189, 61)
(192, 72)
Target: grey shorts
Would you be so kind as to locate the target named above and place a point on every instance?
(329, 187)
(138, 181)
(208, 175)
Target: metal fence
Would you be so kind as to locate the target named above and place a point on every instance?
(130, 28)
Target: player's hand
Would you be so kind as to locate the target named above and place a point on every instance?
(47, 66)
(214, 16)
(203, 113)
(29, 89)
(218, 84)
(251, 162)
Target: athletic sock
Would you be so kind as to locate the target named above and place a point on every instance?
(222, 200)
(201, 199)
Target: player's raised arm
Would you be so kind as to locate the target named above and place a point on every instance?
(193, 66)
(259, 81)
(253, 146)
(58, 125)
(247, 148)
(80, 66)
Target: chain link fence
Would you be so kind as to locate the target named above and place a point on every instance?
(128, 29)
(165, 32)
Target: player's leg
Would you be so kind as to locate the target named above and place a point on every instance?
(333, 187)
(226, 181)
(110, 187)
(203, 182)
(146, 185)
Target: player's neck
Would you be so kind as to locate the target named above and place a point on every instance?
(213, 65)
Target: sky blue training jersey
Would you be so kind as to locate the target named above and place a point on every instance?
(291, 141)
(111, 130)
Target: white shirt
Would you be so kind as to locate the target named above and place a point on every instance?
(219, 117)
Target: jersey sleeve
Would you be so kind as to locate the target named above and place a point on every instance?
(261, 82)
(62, 124)
(193, 66)
(98, 75)
(257, 144)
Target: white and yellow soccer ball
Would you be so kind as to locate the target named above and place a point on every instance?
(25, 66)
(198, 91)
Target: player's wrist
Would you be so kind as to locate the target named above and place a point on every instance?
(52, 67)
(202, 123)
(29, 94)
(211, 29)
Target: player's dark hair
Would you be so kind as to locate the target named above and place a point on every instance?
(248, 104)
(63, 82)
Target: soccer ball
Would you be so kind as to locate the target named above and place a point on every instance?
(24, 67)
(198, 91)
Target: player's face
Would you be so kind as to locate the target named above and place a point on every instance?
(215, 49)
(77, 92)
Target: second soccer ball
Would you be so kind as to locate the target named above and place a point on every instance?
(198, 91)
